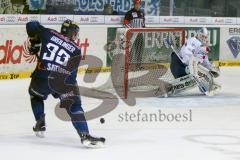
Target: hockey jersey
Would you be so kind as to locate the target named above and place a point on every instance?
(55, 52)
(194, 47)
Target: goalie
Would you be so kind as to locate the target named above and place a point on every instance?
(191, 66)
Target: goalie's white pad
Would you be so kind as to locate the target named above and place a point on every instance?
(181, 84)
(204, 81)
(206, 77)
(215, 71)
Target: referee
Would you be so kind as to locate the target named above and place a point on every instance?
(135, 18)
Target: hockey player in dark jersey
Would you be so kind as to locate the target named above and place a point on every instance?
(54, 50)
(135, 18)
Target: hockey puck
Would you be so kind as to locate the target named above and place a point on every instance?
(102, 120)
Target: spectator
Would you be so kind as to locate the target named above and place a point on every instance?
(108, 10)
(18, 6)
(34, 6)
(59, 7)
(5, 7)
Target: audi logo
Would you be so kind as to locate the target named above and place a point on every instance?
(11, 19)
(34, 18)
(62, 19)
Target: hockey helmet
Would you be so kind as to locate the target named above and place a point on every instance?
(69, 28)
(202, 35)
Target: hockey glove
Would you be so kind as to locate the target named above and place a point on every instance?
(34, 45)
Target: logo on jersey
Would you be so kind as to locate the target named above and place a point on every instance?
(135, 15)
(234, 45)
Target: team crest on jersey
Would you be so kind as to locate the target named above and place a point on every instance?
(134, 14)
(234, 45)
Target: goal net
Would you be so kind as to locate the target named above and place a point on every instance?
(140, 61)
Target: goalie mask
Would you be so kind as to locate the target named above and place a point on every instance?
(202, 35)
(70, 29)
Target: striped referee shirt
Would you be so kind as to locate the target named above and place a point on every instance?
(134, 19)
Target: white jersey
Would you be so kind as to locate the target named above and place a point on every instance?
(194, 47)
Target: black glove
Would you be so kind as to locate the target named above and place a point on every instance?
(35, 45)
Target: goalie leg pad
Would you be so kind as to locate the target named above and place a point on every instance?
(206, 80)
(182, 84)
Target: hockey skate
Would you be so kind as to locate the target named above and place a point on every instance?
(40, 127)
(91, 141)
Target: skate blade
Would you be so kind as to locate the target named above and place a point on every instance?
(88, 144)
(40, 134)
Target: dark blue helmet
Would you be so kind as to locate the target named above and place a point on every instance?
(69, 28)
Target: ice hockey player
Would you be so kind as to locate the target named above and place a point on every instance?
(192, 63)
(55, 49)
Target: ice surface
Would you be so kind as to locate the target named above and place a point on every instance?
(212, 134)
